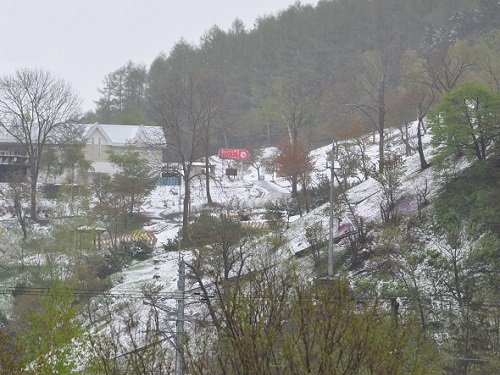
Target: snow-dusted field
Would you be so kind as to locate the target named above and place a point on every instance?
(247, 193)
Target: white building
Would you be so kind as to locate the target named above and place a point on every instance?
(100, 138)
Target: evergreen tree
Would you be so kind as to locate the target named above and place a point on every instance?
(122, 97)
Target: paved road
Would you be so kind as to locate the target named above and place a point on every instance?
(271, 190)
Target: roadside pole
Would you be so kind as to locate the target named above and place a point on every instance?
(180, 297)
(331, 165)
(179, 322)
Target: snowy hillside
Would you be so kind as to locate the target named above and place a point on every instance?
(143, 296)
(246, 193)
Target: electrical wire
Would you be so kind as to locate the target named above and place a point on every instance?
(134, 293)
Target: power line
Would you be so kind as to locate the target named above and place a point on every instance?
(134, 293)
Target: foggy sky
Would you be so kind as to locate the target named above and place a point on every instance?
(83, 40)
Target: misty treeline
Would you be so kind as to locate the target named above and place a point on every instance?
(335, 69)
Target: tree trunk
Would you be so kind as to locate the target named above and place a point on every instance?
(33, 207)
(268, 129)
(185, 210)
(294, 186)
(419, 304)
(299, 207)
(306, 200)
(407, 142)
(381, 129)
(381, 151)
(420, 148)
(207, 179)
(477, 148)
(290, 135)
(483, 146)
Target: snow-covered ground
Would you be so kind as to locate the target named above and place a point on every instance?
(247, 193)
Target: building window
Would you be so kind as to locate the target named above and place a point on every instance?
(99, 146)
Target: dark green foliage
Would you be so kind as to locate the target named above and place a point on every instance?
(123, 96)
(126, 251)
(109, 264)
(218, 245)
(10, 363)
(315, 236)
(207, 230)
(50, 332)
(280, 208)
(118, 198)
(456, 251)
(136, 250)
(320, 191)
(66, 158)
(466, 123)
(171, 244)
(474, 196)
(135, 180)
(278, 214)
(90, 275)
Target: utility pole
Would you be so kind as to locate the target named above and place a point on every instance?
(331, 165)
(180, 297)
(179, 322)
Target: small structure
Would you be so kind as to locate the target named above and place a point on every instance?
(86, 232)
(170, 175)
(231, 172)
(199, 167)
(169, 179)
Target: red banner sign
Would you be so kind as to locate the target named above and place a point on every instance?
(234, 153)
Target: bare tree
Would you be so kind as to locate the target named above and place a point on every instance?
(421, 94)
(132, 345)
(211, 94)
(376, 75)
(488, 52)
(296, 164)
(220, 260)
(401, 115)
(37, 109)
(256, 159)
(352, 159)
(447, 65)
(182, 108)
(390, 181)
(296, 98)
(424, 102)
(295, 102)
(110, 207)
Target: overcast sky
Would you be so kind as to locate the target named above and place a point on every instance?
(83, 40)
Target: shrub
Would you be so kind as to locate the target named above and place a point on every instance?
(138, 250)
